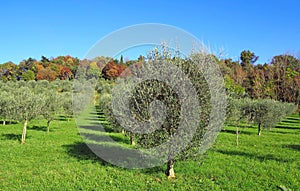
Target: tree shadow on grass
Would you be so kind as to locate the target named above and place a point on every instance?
(97, 118)
(290, 121)
(107, 154)
(295, 147)
(105, 138)
(105, 125)
(240, 132)
(63, 118)
(286, 127)
(282, 131)
(90, 127)
(8, 122)
(261, 158)
(37, 128)
(108, 129)
(295, 118)
(81, 151)
(96, 126)
(154, 170)
(13, 136)
(102, 147)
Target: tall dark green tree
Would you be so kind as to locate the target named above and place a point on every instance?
(121, 60)
(247, 58)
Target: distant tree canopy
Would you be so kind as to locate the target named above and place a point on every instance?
(248, 58)
(62, 67)
(278, 80)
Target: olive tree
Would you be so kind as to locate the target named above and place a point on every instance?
(28, 106)
(265, 112)
(83, 95)
(66, 103)
(105, 102)
(104, 86)
(6, 106)
(235, 114)
(52, 106)
(105, 106)
(157, 111)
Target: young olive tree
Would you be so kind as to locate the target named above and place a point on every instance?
(266, 113)
(52, 101)
(105, 102)
(83, 95)
(105, 106)
(165, 105)
(28, 106)
(235, 114)
(66, 103)
(104, 86)
(7, 103)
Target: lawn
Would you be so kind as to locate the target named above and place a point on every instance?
(60, 160)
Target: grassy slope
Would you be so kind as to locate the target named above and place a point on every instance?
(60, 161)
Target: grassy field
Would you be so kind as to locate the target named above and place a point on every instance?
(60, 160)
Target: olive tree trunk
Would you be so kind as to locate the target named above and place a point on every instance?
(132, 140)
(48, 126)
(259, 129)
(170, 169)
(24, 132)
(123, 131)
(237, 136)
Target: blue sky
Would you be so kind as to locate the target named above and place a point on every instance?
(52, 28)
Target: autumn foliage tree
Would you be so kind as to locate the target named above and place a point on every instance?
(46, 74)
(66, 73)
(112, 70)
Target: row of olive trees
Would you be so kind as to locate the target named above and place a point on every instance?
(264, 113)
(23, 101)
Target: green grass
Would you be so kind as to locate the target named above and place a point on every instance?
(61, 161)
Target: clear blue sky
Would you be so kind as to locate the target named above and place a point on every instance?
(70, 27)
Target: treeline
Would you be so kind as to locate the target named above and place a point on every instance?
(278, 80)
(61, 68)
